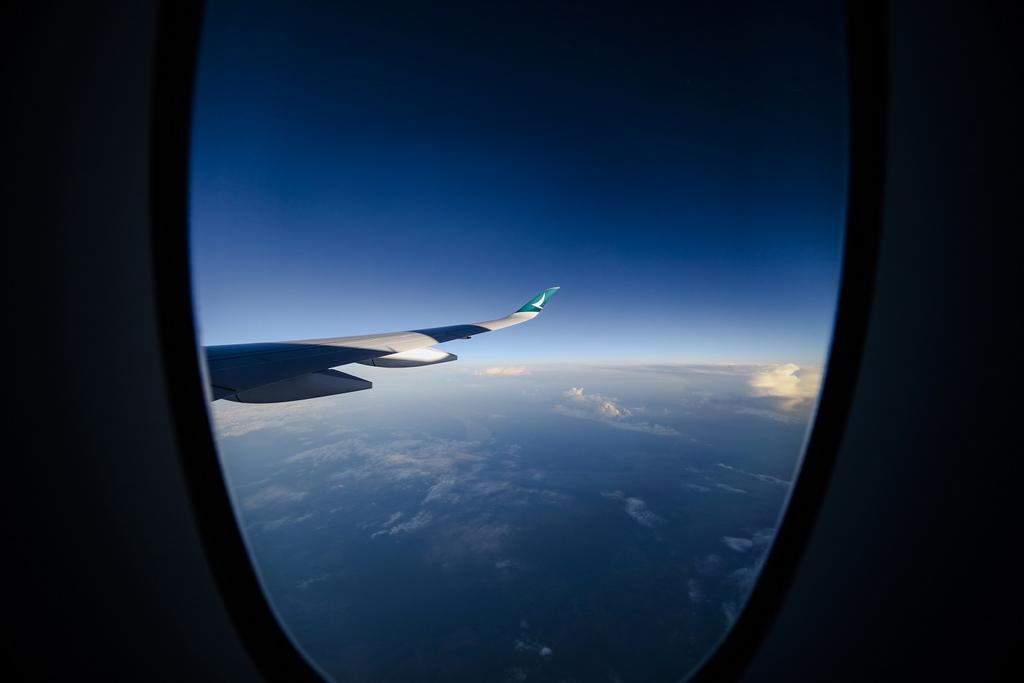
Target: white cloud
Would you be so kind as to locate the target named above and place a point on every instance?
(760, 538)
(273, 495)
(402, 459)
(275, 524)
(794, 386)
(730, 489)
(480, 538)
(730, 610)
(442, 472)
(608, 411)
(503, 371)
(601, 404)
(766, 478)
(635, 508)
(645, 427)
(393, 518)
(638, 510)
(740, 545)
(232, 420)
(442, 490)
(421, 520)
(303, 584)
(693, 591)
(525, 645)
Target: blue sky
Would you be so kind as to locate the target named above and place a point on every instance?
(680, 175)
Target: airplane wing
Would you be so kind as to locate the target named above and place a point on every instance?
(292, 371)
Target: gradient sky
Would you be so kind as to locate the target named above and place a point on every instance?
(681, 174)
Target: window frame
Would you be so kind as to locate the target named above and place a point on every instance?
(265, 639)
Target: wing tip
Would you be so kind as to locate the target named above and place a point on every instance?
(537, 303)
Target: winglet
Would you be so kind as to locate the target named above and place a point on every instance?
(536, 304)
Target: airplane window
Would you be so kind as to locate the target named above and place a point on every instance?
(563, 276)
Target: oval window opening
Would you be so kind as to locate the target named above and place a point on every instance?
(563, 281)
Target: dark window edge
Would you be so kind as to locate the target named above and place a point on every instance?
(178, 35)
(866, 37)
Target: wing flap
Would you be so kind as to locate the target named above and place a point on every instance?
(312, 385)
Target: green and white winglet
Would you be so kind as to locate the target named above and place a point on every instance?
(536, 304)
(529, 311)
